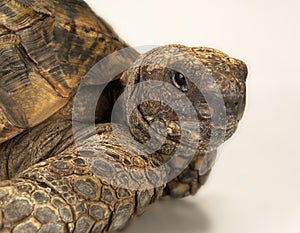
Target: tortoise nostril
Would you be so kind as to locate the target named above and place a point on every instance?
(232, 105)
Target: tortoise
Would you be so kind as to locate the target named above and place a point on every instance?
(60, 179)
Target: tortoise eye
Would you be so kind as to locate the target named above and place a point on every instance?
(179, 81)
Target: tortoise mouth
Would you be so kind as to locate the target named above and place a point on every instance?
(186, 130)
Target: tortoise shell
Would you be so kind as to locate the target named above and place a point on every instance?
(46, 48)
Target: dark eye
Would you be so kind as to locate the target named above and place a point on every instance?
(179, 81)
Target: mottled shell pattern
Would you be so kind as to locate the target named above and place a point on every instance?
(46, 48)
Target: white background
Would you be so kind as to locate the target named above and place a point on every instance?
(255, 186)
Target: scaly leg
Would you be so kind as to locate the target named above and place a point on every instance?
(66, 193)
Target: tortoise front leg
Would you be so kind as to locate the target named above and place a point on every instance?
(65, 194)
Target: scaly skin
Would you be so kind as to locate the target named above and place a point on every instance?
(65, 193)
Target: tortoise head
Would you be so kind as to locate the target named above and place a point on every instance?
(175, 87)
